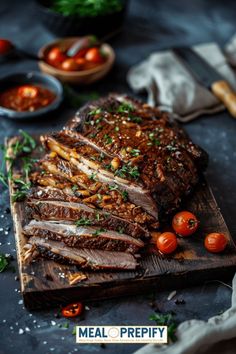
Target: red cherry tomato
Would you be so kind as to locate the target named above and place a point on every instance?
(55, 56)
(94, 55)
(185, 223)
(72, 310)
(81, 62)
(81, 53)
(28, 91)
(215, 242)
(167, 242)
(69, 65)
(5, 46)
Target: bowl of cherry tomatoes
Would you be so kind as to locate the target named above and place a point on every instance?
(77, 60)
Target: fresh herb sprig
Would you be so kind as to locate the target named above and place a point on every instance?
(166, 320)
(20, 150)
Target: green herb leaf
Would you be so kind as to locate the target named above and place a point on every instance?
(166, 320)
(125, 195)
(83, 222)
(125, 107)
(135, 152)
(4, 262)
(108, 139)
(98, 232)
(95, 112)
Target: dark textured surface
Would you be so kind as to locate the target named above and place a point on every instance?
(150, 26)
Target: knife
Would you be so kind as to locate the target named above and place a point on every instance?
(209, 77)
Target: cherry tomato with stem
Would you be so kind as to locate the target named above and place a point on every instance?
(185, 223)
(94, 55)
(167, 242)
(72, 310)
(215, 242)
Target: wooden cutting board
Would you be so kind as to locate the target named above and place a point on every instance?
(45, 283)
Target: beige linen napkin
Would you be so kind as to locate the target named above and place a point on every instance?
(173, 88)
(195, 336)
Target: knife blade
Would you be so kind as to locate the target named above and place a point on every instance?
(205, 74)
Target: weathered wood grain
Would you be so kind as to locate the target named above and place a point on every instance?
(45, 283)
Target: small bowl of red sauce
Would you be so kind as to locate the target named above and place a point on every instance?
(28, 95)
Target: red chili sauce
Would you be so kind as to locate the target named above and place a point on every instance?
(26, 98)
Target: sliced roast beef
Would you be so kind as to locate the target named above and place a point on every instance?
(58, 210)
(156, 169)
(83, 258)
(83, 236)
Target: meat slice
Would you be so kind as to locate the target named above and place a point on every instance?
(83, 258)
(103, 196)
(78, 212)
(83, 236)
(94, 164)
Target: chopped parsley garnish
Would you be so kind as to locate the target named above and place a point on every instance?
(120, 230)
(129, 170)
(83, 222)
(101, 157)
(97, 217)
(135, 119)
(171, 148)
(153, 140)
(93, 176)
(135, 152)
(99, 196)
(125, 107)
(74, 188)
(113, 187)
(108, 139)
(108, 166)
(125, 195)
(98, 232)
(116, 129)
(95, 111)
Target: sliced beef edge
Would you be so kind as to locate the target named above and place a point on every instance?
(83, 258)
(83, 236)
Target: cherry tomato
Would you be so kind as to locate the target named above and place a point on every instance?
(72, 310)
(167, 242)
(28, 91)
(69, 65)
(81, 53)
(81, 62)
(94, 55)
(56, 56)
(185, 223)
(215, 242)
(5, 46)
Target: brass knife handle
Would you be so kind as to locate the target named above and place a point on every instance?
(226, 95)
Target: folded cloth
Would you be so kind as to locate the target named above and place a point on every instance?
(195, 336)
(171, 87)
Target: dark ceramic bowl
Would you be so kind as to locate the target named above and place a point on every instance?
(78, 26)
(31, 78)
